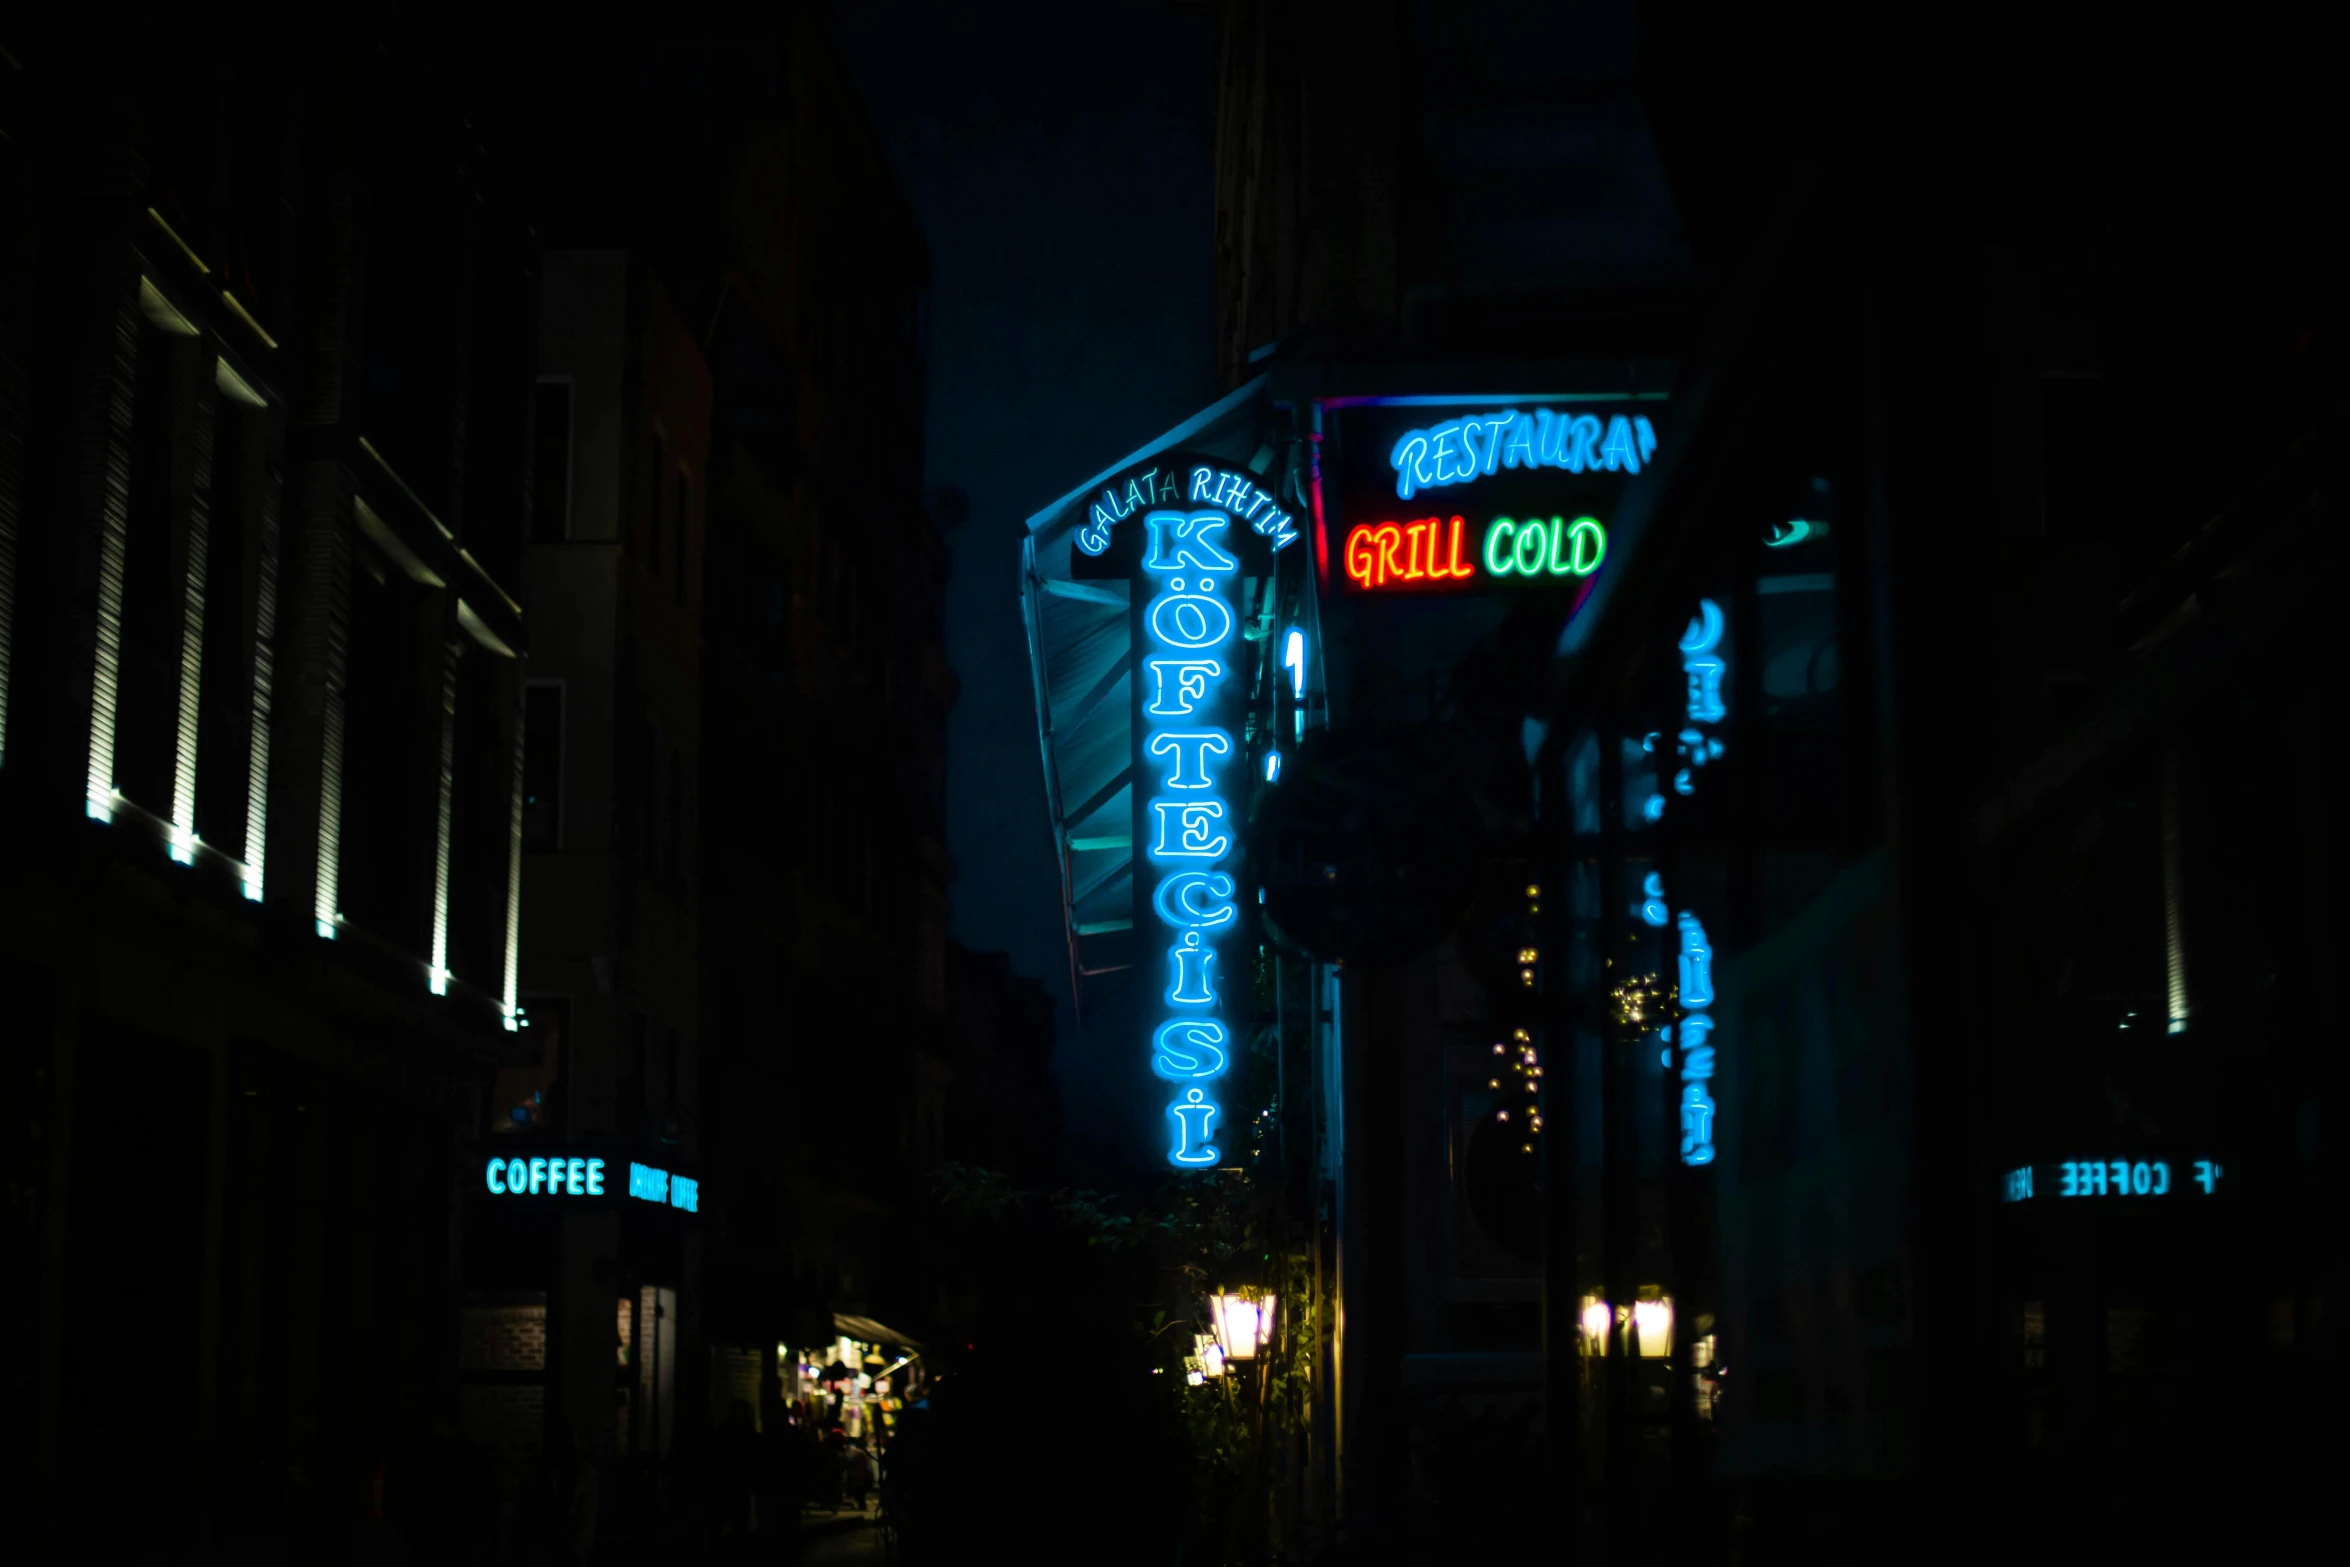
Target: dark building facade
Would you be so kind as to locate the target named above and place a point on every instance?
(998, 1107)
(1944, 1009)
(745, 179)
(267, 320)
(1766, 784)
(605, 1287)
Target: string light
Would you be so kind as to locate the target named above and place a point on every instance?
(1527, 1062)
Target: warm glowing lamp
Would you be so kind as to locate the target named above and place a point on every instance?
(1654, 1319)
(1595, 1320)
(1244, 1324)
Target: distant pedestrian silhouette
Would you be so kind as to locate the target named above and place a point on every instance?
(859, 1477)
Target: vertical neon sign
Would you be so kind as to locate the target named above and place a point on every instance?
(1188, 833)
(1701, 666)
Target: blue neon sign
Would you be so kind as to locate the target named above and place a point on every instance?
(1702, 709)
(1478, 445)
(1184, 746)
(1696, 1042)
(2111, 1178)
(1701, 668)
(647, 1184)
(1225, 497)
(545, 1177)
(584, 1175)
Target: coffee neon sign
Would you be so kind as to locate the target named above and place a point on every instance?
(1431, 553)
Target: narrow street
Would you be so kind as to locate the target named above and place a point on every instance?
(848, 1541)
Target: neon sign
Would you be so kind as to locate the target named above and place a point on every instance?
(583, 1175)
(1187, 829)
(1696, 1048)
(1228, 497)
(1437, 552)
(1479, 445)
(2112, 1178)
(1701, 667)
(520, 1177)
(647, 1184)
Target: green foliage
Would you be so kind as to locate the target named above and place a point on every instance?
(1187, 1236)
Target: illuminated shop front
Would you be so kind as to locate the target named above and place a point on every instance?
(860, 1382)
(578, 1257)
(1299, 875)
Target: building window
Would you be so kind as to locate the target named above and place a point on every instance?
(231, 747)
(551, 464)
(159, 550)
(542, 765)
(389, 815)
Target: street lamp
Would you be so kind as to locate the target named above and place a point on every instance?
(1652, 1319)
(1244, 1324)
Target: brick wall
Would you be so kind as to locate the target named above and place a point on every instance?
(502, 1338)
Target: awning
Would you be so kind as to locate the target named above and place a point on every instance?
(867, 1331)
(1080, 662)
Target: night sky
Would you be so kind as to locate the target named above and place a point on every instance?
(1061, 170)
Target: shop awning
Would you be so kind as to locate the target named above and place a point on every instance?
(1080, 662)
(867, 1331)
